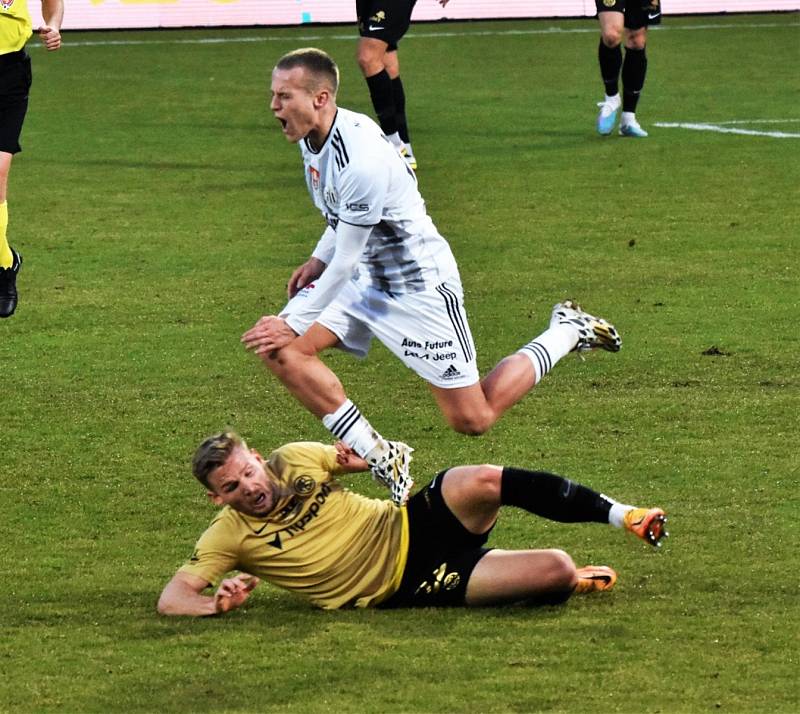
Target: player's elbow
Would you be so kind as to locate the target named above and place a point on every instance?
(164, 606)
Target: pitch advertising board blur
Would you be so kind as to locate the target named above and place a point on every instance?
(109, 14)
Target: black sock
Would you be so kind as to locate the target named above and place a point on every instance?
(634, 69)
(380, 91)
(400, 109)
(610, 63)
(553, 497)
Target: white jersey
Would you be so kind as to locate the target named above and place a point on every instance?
(359, 178)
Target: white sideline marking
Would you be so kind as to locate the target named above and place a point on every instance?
(758, 121)
(351, 35)
(726, 130)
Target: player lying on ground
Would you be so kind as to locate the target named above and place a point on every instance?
(381, 269)
(289, 521)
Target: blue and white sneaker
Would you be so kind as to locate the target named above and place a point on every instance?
(630, 127)
(607, 118)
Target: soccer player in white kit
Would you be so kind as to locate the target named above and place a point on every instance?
(382, 269)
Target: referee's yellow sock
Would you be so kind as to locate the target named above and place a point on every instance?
(6, 259)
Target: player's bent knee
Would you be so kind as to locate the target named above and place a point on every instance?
(471, 424)
(562, 569)
(487, 482)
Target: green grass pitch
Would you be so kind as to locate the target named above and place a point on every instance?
(160, 212)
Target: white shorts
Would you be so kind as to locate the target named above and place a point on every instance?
(427, 330)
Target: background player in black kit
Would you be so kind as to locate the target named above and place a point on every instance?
(381, 24)
(629, 20)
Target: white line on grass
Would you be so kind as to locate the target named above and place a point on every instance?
(412, 35)
(727, 130)
(757, 121)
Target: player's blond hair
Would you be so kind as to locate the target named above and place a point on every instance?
(213, 453)
(319, 65)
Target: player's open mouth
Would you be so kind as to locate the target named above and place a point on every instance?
(260, 499)
(283, 123)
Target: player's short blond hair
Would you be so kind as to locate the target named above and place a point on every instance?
(320, 67)
(213, 453)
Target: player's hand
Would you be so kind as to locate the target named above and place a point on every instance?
(50, 36)
(268, 334)
(348, 459)
(307, 273)
(233, 592)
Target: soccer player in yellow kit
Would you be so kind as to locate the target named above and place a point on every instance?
(16, 29)
(288, 520)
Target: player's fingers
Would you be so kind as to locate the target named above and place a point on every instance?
(251, 583)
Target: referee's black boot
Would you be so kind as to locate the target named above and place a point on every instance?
(8, 286)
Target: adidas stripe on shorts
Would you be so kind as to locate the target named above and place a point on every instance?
(427, 330)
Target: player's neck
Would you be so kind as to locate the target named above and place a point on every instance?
(319, 134)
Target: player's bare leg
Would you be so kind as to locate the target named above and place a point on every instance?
(473, 495)
(474, 409)
(319, 390)
(512, 576)
(305, 375)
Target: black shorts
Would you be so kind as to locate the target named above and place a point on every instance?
(15, 83)
(441, 553)
(638, 13)
(386, 20)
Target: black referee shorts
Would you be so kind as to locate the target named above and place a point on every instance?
(441, 553)
(15, 83)
(638, 13)
(386, 20)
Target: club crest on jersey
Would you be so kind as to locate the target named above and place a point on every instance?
(304, 486)
(5, 4)
(314, 174)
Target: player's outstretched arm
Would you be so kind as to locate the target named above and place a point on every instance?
(53, 16)
(307, 273)
(183, 595)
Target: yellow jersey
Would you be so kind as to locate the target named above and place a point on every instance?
(15, 25)
(335, 547)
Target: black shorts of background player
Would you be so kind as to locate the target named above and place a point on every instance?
(629, 21)
(381, 25)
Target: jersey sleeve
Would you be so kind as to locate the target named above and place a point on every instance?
(362, 191)
(215, 553)
(325, 246)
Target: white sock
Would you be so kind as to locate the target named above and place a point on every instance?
(615, 100)
(617, 512)
(348, 425)
(396, 140)
(628, 118)
(545, 350)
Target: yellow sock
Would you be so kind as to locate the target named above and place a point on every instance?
(6, 259)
